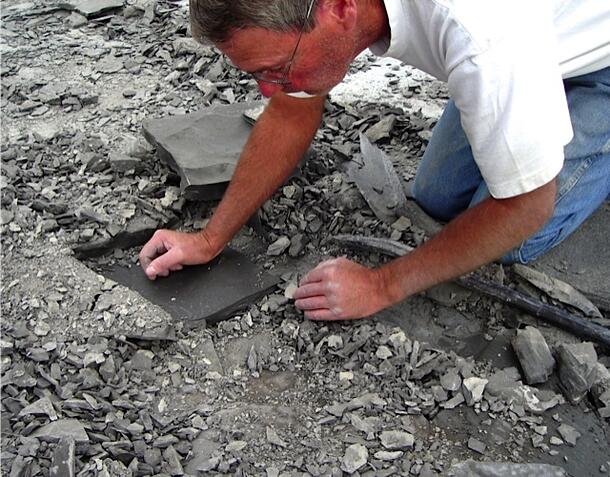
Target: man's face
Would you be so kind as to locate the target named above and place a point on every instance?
(320, 62)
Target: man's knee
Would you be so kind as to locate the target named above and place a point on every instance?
(430, 196)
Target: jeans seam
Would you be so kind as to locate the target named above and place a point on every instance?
(568, 186)
(575, 177)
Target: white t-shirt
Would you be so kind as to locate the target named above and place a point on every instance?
(504, 61)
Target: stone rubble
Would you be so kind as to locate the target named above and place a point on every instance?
(98, 381)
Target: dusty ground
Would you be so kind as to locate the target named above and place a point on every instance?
(266, 392)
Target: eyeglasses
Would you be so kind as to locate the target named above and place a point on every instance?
(271, 76)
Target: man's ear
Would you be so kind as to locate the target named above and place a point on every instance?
(337, 14)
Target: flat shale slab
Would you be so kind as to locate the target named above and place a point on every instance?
(583, 259)
(90, 8)
(202, 147)
(210, 292)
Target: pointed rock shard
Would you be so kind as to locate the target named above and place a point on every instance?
(63, 428)
(378, 182)
(557, 289)
(534, 355)
(43, 406)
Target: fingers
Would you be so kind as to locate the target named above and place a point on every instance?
(321, 315)
(313, 303)
(319, 273)
(309, 290)
(163, 265)
(152, 249)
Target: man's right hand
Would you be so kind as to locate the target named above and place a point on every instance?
(168, 251)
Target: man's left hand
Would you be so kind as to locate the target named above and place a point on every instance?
(340, 289)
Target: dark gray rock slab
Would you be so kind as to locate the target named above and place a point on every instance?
(210, 292)
(137, 232)
(378, 182)
(534, 355)
(577, 369)
(501, 469)
(63, 464)
(583, 259)
(202, 147)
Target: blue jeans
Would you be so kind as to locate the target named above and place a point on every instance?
(448, 180)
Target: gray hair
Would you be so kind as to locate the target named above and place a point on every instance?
(216, 20)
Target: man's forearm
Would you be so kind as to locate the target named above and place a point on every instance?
(277, 143)
(476, 237)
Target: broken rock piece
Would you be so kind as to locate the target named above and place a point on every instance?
(91, 8)
(577, 369)
(568, 434)
(473, 389)
(356, 456)
(63, 464)
(557, 289)
(378, 182)
(210, 292)
(63, 428)
(203, 147)
(534, 355)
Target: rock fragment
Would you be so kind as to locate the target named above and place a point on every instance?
(476, 445)
(568, 434)
(577, 369)
(172, 458)
(62, 428)
(378, 182)
(274, 438)
(451, 380)
(279, 246)
(534, 355)
(473, 389)
(397, 440)
(63, 463)
(356, 456)
(43, 406)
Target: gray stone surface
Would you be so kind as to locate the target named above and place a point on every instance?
(473, 388)
(501, 469)
(63, 428)
(212, 291)
(203, 147)
(568, 434)
(90, 8)
(583, 259)
(63, 464)
(577, 369)
(356, 456)
(378, 182)
(397, 440)
(534, 355)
